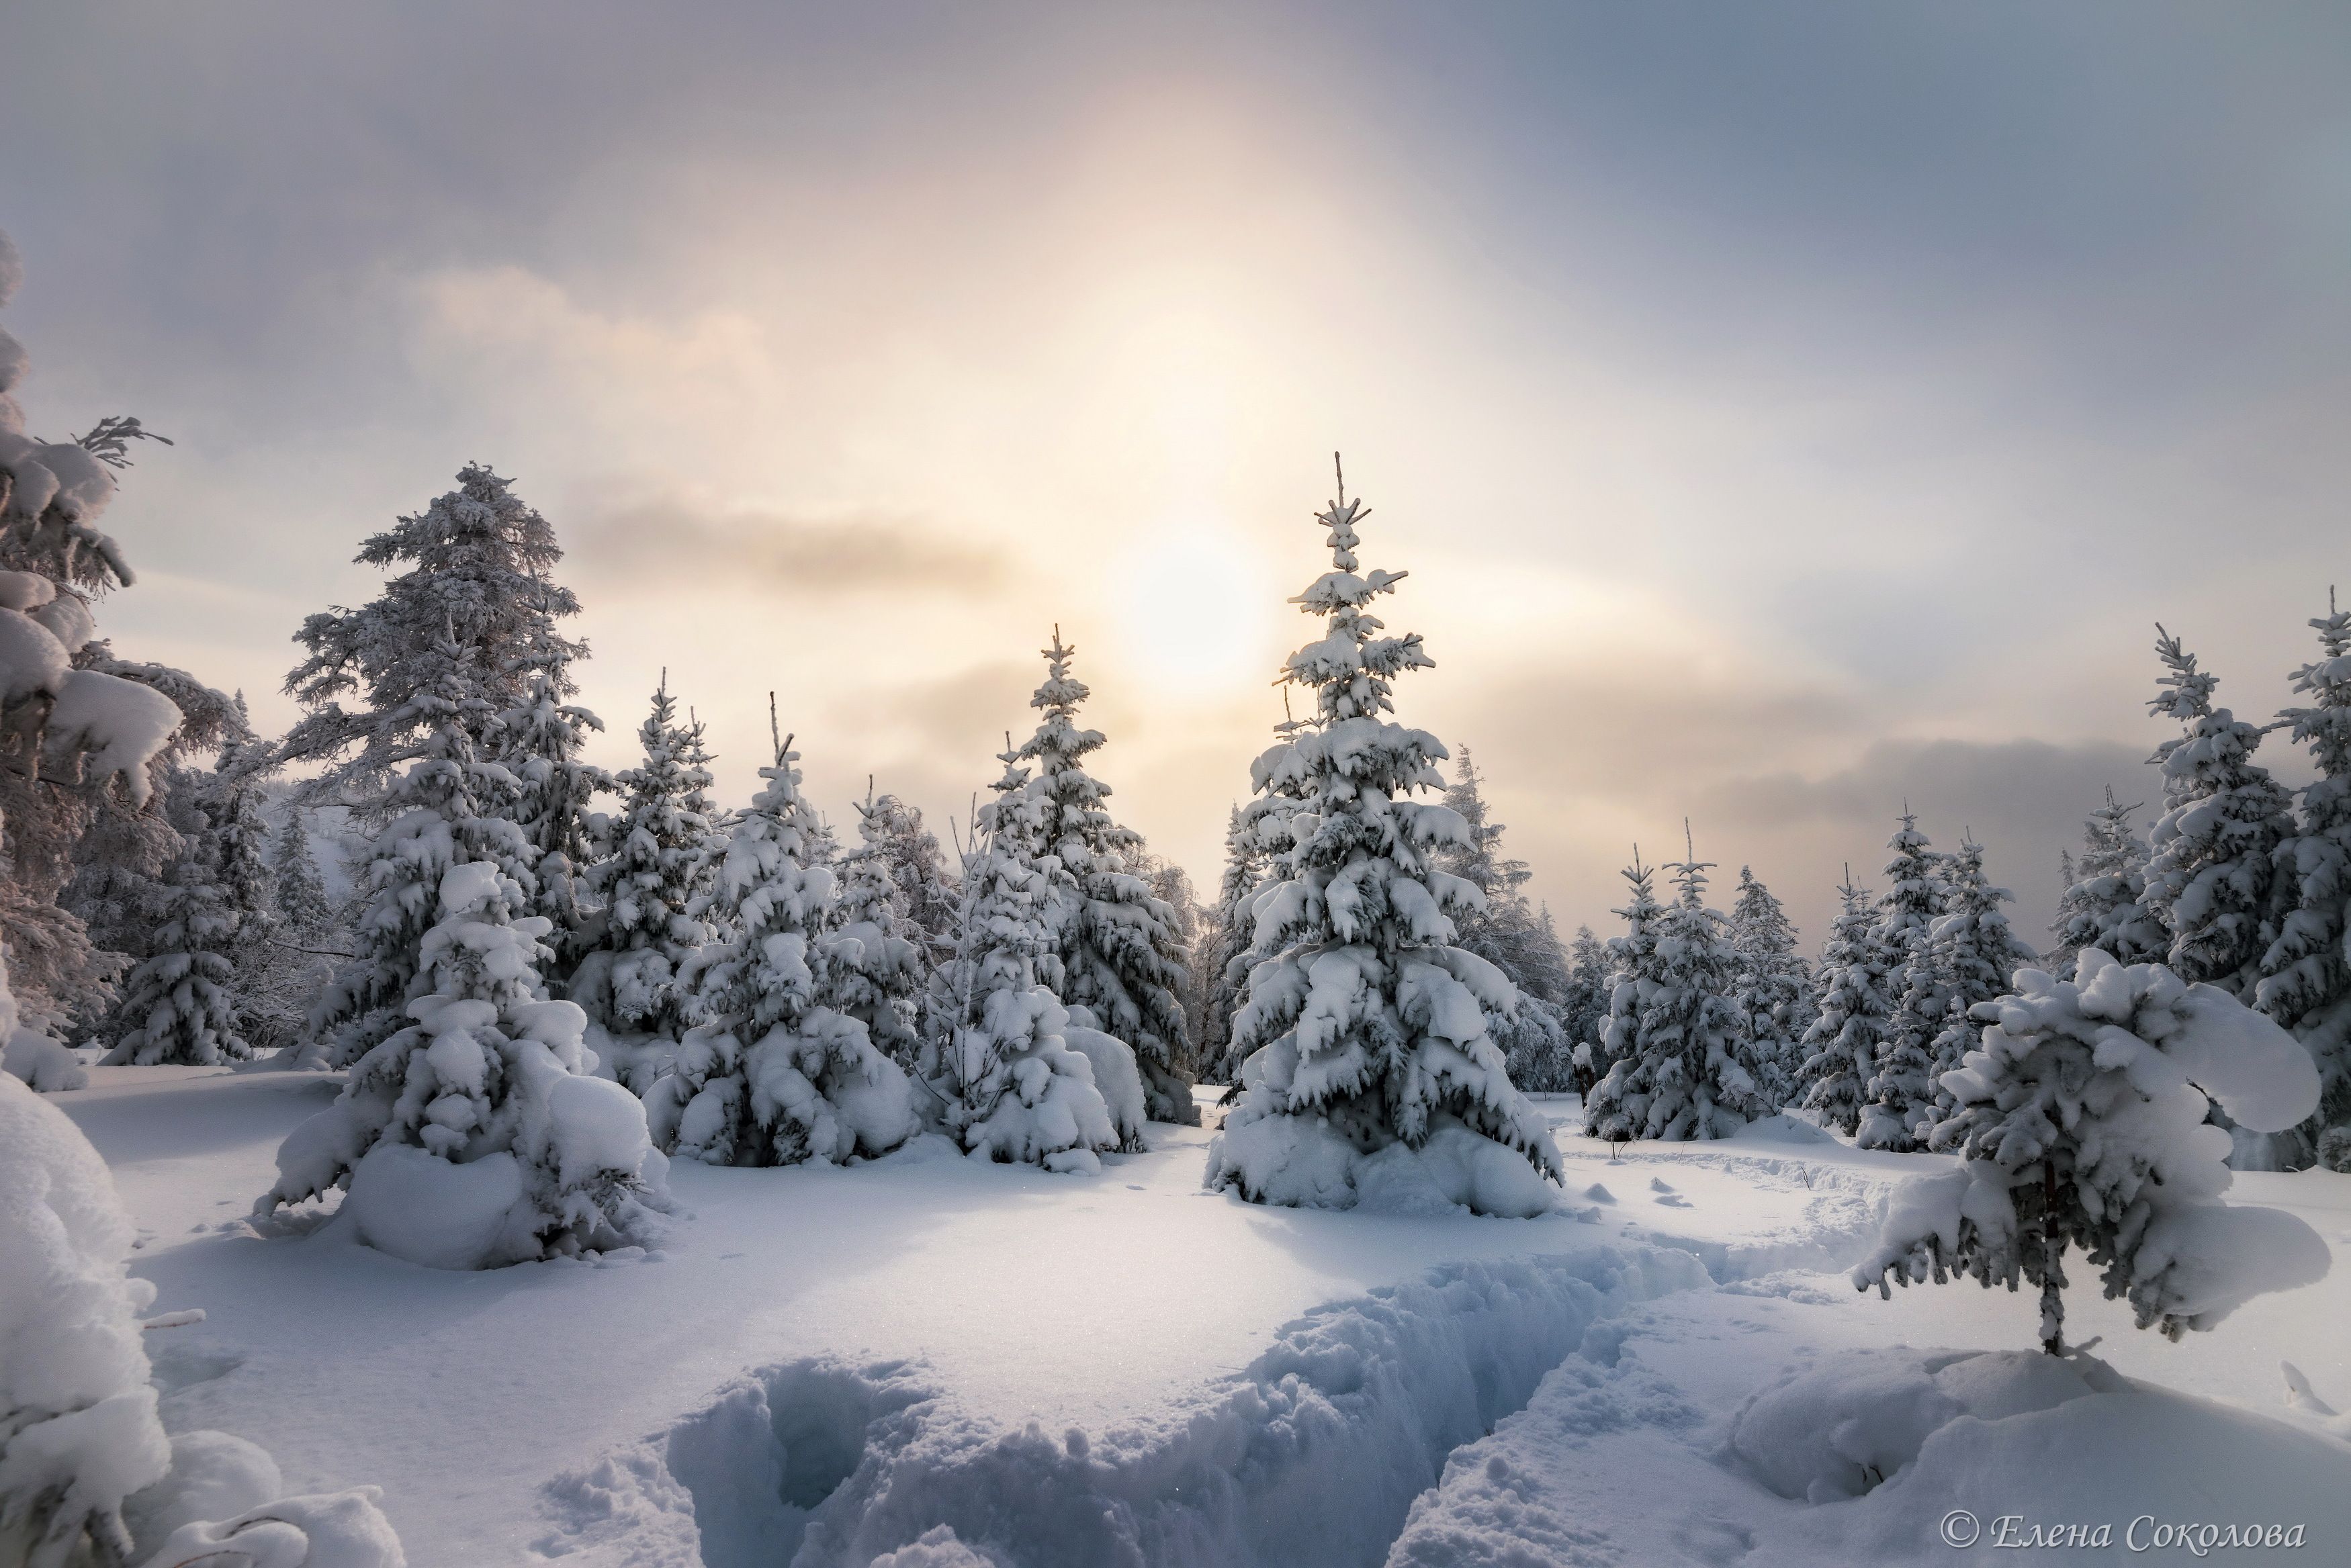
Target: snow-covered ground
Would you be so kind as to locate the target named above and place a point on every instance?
(997, 1364)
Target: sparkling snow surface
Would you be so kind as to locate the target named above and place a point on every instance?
(1120, 1368)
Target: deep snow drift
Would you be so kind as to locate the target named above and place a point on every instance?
(931, 1360)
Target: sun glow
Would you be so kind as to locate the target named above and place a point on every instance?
(1197, 612)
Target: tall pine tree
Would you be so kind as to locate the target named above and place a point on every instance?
(1367, 1029)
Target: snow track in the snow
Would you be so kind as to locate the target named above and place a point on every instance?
(1313, 1455)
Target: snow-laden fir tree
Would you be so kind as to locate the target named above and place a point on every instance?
(441, 809)
(84, 736)
(881, 980)
(1121, 948)
(1844, 1040)
(1772, 988)
(1512, 935)
(1586, 1008)
(1172, 885)
(651, 886)
(461, 636)
(1973, 955)
(1372, 1074)
(1901, 1092)
(1632, 957)
(302, 901)
(2081, 1122)
(474, 1137)
(178, 1004)
(1225, 948)
(2212, 877)
(478, 562)
(539, 740)
(773, 1072)
(2305, 981)
(1012, 1088)
(2105, 902)
(1675, 1041)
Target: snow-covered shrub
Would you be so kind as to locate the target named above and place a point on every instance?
(772, 1073)
(87, 1476)
(1365, 1027)
(78, 1431)
(28, 1052)
(2081, 1119)
(472, 1138)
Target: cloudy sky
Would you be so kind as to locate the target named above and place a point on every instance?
(1782, 411)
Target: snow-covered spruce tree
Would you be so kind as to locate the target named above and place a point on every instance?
(475, 1137)
(1673, 1071)
(441, 809)
(459, 637)
(302, 897)
(1121, 948)
(881, 981)
(1973, 954)
(1372, 1073)
(2105, 902)
(478, 564)
(1172, 885)
(773, 1072)
(1012, 1088)
(1511, 934)
(1901, 1092)
(1586, 1009)
(1632, 957)
(1771, 988)
(539, 741)
(178, 1004)
(2081, 1121)
(651, 887)
(1844, 1040)
(2212, 879)
(2305, 981)
(1225, 948)
(83, 735)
